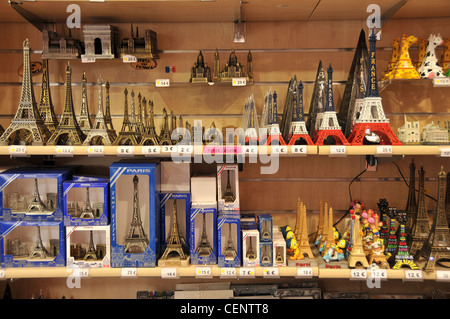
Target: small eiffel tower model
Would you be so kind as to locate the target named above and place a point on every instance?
(133, 118)
(383, 206)
(27, 116)
(140, 116)
(87, 211)
(297, 130)
(174, 253)
(230, 250)
(228, 197)
(84, 120)
(251, 133)
(392, 240)
(303, 242)
(165, 136)
(108, 119)
(150, 137)
(91, 254)
(320, 242)
(100, 133)
(68, 132)
(357, 253)
(329, 231)
(39, 250)
(402, 257)
(45, 107)
(372, 117)
(274, 133)
(411, 204)
(421, 226)
(251, 255)
(447, 196)
(329, 125)
(127, 135)
(319, 233)
(136, 241)
(36, 204)
(317, 103)
(438, 241)
(204, 249)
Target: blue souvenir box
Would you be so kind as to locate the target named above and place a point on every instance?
(266, 254)
(134, 194)
(33, 194)
(265, 227)
(203, 221)
(229, 236)
(183, 201)
(32, 244)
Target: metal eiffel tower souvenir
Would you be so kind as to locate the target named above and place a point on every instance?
(140, 117)
(108, 119)
(136, 241)
(229, 197)
(150, 137)
(251, 255)
(100, 133)
(36, 205)
(403, 257)
(87, 211)
(230, 250)
(411, 204)
(127, 135)
(45, 107)
(68, 132)
(317, 104)
(39, 250)
(204, 249)
(165, 137)
(84, 120)
(27, 117)
(133, 118)
(91, 254)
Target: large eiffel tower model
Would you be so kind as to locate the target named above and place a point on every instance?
(297, 129)
(39, 250)
(133, 119)
(230, 250)
(100, 133)
(150, 137)
(165, 136)
(140, 117)
(84, 120)
(45, 107)
(87, 211)
(438, 241)
(91, 254)
(329, 125)
(36, 204)
(204, 249)
(27, 116)
(372, 117)
(174, 253)
(136, 241)
(303, 241)
(403, 257)
(68, 132)
(317, 103)
(127, 135)
(357, 253)
(411, 204)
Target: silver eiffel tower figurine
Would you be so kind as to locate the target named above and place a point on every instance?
(204, 249)
(36, 205)
(84, 120)
(91, 254)
(140, 117)
(39, 250)
(87, 211)
(230, 250)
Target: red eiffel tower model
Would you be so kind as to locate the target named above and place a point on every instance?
(372, 118)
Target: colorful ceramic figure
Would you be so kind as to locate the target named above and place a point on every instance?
(429, 68)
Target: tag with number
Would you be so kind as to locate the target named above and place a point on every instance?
(247, 272)
(129, 272)
(184, 150)
(299, 149)
(251, 150)
(18, 150)
(239, 81)
(64, 151)
(151, 150)
(228, 272)
(279, 149)
(129, 59)
(358, 274)
(168, 148)
(384, 150)
(271, 272)
(169, 273)
(203, 272)
(338, 150)
(125, 150)
(87, 59)
(445, 152)
(441, 81)
(443, 275)
(379, 273)
(2, 273)
(304, 272)
(96, 150)
(161, 83)
(413, 275)
(81, 272)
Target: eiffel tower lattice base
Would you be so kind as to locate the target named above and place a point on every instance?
(180, 259)
(339, 137)
(274, 137)
(432, 255)
(294, 138)
(384, 131)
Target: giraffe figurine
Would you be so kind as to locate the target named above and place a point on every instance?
(422, 43)
(404, 69)
(394, 58)
(446, 58)
(430, 67)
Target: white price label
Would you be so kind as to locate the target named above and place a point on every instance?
(253, 150)
(64, 151)
(279, 149)
(239, 81)
(228, 272)
(162, 83)
(443, 275)
(129, 59)
(168, 148)
(125, 150)
(247, 272)
(96, 150)
(169, 273)
(184, 149)
(151, 150)
(379, 273)
(357, 274)
(441, 81)
(19, 150)
(384, 150)
(299, 149)
(81, 272)
(203, 272)
(2, 273)
(304, 272)
(413, 274)
(129, 272)
(338, 150)
(85, 59)
(445, 152)
(271, 272)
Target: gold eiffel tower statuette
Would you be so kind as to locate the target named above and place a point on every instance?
(91, 254)
(357, 253)
(303, 239)
(265, 254)
(36, 205)
(411, 204)
(87, 211)
(150, 137)
(38, 250)
(251, 255)
(136, 241)
(68, 131)
(229, 197)
(127, 135)
(45, 107)
(27, 116)
(84, 120)
(140, 116)
(320, 224)
(204, 249)
(174, 252)
(108, 119)
(230, 250)
(279, 257)
(165, 136)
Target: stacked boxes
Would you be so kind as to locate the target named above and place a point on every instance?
(250, 243)
(265, 240)
(229, 243)
(279, 247)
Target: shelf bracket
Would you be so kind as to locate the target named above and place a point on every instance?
(239, 27)
(36, 21)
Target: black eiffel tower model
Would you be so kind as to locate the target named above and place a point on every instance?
(317, 103)
(383, 206)
(87, 212)
(136, 241)
(174, 254)
(392, 241)
(45, 106)
(204, 249)
(402, 257)
(411, 204)
(39, 250)
(133, 119)
(230, 252)
(84, 120)
(150, 137)
(91, 254)
(27, 116)
(228, 196)
(108, 119)
(36, 204)
(436, 247)
(421, 226)
(68, 131)
(140, 117)
(127, 135)
(165, 136)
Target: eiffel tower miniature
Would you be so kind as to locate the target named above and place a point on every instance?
(229, 197)
(140, 116)
(27, 116)
(45, 107)
(100, 134)
(320, 242)
(39, 250)
(127, 135)
(204, 249)
(36, 205)
(133, 119)
(174, 252)
(303, 240)
(411, 204)
(251, 255)
(87, 211)
(319, 233)
(317, 103)
(165, 137)
(372, 117)
(90, 252)
(436, 246)
(136, 241)
(251, 134)
(150, 137)
(357, 253)
(329, 232)
(392, 241)
(383, 206)
(68, 131)
(298, 132)
(402, 257)
(84, 120)
(447, 196)
(274, 133)
(230, 250)
(108, 119)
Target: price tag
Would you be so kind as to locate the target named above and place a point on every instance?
(128, 272)
(358, 274)
(338, 150)
(304, 272)
(228, 272)
(251, 150)
(18, 150)
(413, 275)
(184, 149)
(151, 150)
(125, 150)
(384, 150)
(378, 274)
(85, 59)
(441, 81)
(81, 272)
(443, 275)
(299, 149)
(168, 148)
(96, 150)
(271, 272)
(239, 81)
(445, 152)
(2, 273)
(247, 272)
(162, 83)
(129, 59)
(64, 151)
(203, 272)
(169, 273)
(279, 149)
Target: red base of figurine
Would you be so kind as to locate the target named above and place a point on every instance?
(296, 137)
(254, 140)
(274, 137)
(339, 137)
(383, 130)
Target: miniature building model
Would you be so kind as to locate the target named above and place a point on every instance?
(409, 133)
(200, 72)
(99, 41)
(232, 69)
(141, 48)
(433, 134)
(59, 48)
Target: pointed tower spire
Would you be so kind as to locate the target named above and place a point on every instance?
(84, 121)
(46, 108)
(372, 84)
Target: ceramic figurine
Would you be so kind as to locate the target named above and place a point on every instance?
(404, 69)
(429, 68)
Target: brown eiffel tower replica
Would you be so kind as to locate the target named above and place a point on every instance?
(230, 250)
(320, 222)
(204, 249)
(68, 132)
(324, 237)
(357, 253)
(84, 120)
(108, 119)
(411, 204)
(136, 241)
(140, 116)
(165, 136)
(39, 250)
(174, 254)
(87, 211)
(328, 230)
(36, 203)
(127, 135)
(303, 241)
(251, 255)
(228, 196)
(100, 134)
(91, 254)
(27, 116)
(421, 226)
(45, 107)
(437, 245)
(150, 137)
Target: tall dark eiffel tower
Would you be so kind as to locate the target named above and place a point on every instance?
(204, 249)
(136, 241)
(150, 137)
(174, 248)
(108, 119)
(165, 136)
(91, 254)
(36, 204)
(411, 204)
(127, 135)
(447, 198)
(84, 120)
(39, 250)
(87, 211)
(45, 107)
